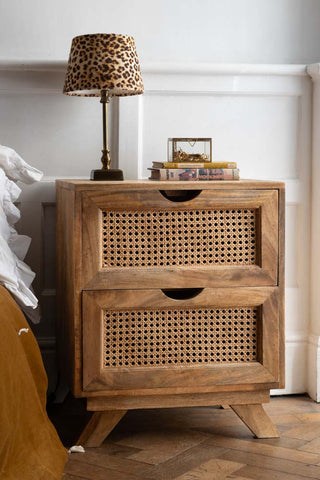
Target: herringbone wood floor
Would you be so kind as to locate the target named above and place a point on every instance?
(196, 444)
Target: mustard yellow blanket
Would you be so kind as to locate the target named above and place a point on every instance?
(29, 445)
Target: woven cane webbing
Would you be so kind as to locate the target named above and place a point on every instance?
(159, 337)
(151, 238)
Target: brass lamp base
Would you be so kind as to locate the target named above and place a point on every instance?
(106, 175)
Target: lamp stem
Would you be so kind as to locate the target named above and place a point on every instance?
(105, 159)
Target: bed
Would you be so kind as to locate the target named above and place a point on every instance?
(29, 445)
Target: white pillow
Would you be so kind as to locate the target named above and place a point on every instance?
(16, 168)
(9, 192)
(9, 214)
(19, 244)
(16, 275)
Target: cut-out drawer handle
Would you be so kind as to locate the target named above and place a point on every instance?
(180, 195)
(181, 293)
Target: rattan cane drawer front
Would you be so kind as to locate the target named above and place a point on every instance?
(215, 239)
(180, 336)
(147, 337)
(179, 237)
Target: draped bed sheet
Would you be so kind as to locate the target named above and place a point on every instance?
(30, 448)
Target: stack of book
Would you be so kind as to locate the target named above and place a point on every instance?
(194, 171)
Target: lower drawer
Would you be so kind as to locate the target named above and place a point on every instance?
(170, 339)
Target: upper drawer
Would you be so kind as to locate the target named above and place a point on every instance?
(166, 239)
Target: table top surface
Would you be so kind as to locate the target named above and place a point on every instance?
(82, 184)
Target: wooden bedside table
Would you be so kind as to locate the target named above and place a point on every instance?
(171, 294)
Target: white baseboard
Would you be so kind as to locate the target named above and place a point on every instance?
(296, 363)
(313, 367)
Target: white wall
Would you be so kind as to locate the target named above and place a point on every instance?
(257, 116)
(249, 31)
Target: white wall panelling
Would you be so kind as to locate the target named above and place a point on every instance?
(314, 338)
(257, 115)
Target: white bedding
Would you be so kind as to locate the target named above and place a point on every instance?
(16, 168)
(15, 275)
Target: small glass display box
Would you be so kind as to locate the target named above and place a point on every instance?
(189, 150)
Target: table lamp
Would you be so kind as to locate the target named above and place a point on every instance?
(103, 65)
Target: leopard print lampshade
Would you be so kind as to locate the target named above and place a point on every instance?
(103, 61)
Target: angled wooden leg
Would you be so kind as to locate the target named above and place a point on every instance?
(256, 419)
(99, 427)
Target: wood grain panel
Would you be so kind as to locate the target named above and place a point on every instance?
(98, 378)
(170, 401)
(68, 287)
(99, 426)
(264, 273)
(256, 419)
(86, 185)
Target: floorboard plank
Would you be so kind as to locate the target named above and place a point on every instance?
(110, 462)
(159, 446)
(213, 469)
(286, 442)
(313, 446)
(309, 417)
(257, 473)
(308, 431)
(264, 449)
(96, 472)
(274, 464)
(186, 461)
